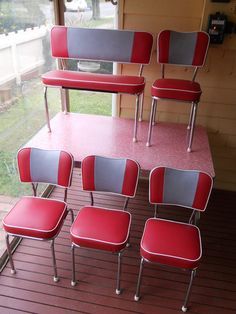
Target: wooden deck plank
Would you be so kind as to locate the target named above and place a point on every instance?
(5, 310)
(214, 291)
(28, 306)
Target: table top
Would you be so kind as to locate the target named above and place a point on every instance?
(84, 135)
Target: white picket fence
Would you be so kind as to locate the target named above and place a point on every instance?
(20, 53)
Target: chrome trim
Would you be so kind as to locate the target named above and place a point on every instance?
(46, 109)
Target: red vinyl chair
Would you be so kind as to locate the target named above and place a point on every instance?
(169, 242)
(180, 49)
(37, 217)
(98, 227)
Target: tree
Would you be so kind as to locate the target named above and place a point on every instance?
(96, 9)
(16, 15)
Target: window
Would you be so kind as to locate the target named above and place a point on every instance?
(24, 55)
(90, 14)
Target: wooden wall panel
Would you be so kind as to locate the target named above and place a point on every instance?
(154, 25)
(162, 8)
(217, 109)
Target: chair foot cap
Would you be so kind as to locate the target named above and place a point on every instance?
(184, 309)
(118, 291)
(140, 119)
(128, 245)
(134, 140)
(136, 298)
(56, 279)
(189, 150)
(148, 144)
(73, 283)
(13, 271)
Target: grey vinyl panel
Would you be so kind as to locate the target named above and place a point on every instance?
(180, 187)
(109, 174)
(100, 44)
(182, 47)
(44, 165)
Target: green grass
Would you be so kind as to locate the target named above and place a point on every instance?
(91, 103)
(27, 116)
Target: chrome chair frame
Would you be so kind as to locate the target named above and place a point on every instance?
(119, 255)
(194, 105)
(13, 270)
(193, 220)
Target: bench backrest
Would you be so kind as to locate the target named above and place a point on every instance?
(101, 44)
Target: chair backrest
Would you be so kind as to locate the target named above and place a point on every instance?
(182, 48)
(45, 166)
(110, 175)
(186, 188)
(101, 44)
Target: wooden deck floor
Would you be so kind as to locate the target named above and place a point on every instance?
(32, 290)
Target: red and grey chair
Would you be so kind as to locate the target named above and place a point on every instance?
(37, 217)
(98, 227)
(169, 242)
(108, 45)
(180, 49)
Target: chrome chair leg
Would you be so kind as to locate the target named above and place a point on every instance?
(91, 197)
(128, 242)
(141, 108)
(72, 215)
(154, 103)
(46, 109)
(195, 217)
(13, 271)
(190, 116)
(64, 99)
(118, 290)
(137, 294)
(73, 281)
(126, 203)
(192, 127)
(136, 119)
(154, 114)
(156, 210)
(184, 307)
(55, 278)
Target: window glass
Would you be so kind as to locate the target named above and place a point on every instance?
(90, 14)
(24, 56)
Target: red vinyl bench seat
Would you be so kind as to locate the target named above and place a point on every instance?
(95, 81)
(106, 45)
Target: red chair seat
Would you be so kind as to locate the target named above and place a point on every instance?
(171, 243)
(95, 81)
(99, 228)
(35, 217)
(176, 89)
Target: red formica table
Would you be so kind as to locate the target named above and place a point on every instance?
(83, 134)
